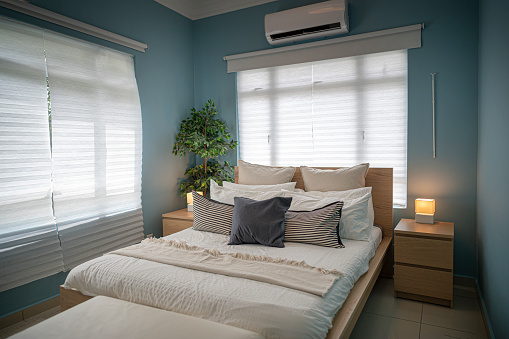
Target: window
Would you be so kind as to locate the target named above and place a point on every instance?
(328, 113)
(70, 153)
(96, 150)
(29, 245)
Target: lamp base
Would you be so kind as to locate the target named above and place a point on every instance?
(424, 218)
(189, 208)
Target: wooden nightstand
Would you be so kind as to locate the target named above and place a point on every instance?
(177, 221)
(423, 261)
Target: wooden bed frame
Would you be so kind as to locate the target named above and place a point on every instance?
(380, 179)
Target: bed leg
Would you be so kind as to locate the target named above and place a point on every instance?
(388, 267)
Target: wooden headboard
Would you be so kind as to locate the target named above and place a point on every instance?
(380, 179)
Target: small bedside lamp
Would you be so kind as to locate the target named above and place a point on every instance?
(425, 211)
(190, 201)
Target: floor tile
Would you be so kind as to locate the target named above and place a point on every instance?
(13, 329)
(382, 302)
(11, 319)
(41, 307)
(382, 327)
(48, 313)
(465, 316)
(434, 332)
(465, 291)
(22, 325)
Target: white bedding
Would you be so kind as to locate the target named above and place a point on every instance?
(273, 311)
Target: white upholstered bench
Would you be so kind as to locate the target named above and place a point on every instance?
(104, 317)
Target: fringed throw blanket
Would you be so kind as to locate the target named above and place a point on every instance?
(288, 273)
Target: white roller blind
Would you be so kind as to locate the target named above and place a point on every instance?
(29, 245)
(338, 112)
(97, 140)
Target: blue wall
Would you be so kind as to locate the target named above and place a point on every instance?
(450, 42)
(180, 48)
(493, 164)
(165, 81)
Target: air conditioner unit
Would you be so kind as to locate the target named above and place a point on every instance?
(308, 22)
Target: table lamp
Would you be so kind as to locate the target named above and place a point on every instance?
(425, 211)
(190, 201)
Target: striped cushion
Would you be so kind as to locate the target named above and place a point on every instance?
(211, 216)
(317, 227)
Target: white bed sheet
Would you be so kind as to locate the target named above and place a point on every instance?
(273, 311)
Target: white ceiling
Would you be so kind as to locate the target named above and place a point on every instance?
(199, 9)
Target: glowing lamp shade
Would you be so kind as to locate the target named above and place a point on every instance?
(190, 201)
(425, 211)
(425, 206)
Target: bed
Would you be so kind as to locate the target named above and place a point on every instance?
(380, 179)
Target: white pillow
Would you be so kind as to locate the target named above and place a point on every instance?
(355, 222)
(341, 179)
(226, 195)
(251, 174)
(305, 202)
(350, 194)
(290, 186)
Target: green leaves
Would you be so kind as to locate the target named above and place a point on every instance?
(198, 181)
(205, 135)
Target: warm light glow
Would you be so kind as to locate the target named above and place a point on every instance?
(426, 206)
(190, 197)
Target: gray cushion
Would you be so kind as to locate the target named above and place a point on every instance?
(259, 222)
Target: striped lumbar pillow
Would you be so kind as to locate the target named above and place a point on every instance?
(211, 216)
(316, 227)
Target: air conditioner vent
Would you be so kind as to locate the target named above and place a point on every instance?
(305, 31)
(308, 22)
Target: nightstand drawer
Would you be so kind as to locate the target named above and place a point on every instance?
(171, 226)
(177, 221)
(424, 251)
(422, 281)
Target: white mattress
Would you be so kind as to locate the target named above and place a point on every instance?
(273, 311)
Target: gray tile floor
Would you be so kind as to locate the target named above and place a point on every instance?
(387, 317)
(18, 327)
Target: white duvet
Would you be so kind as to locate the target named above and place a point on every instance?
(273, 311)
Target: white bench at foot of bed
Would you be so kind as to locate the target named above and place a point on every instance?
(104, 317)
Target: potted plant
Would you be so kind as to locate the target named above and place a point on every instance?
(206, 136)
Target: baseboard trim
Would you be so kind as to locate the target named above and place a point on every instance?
(473, 282)
(484, 312)
(29, 312)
